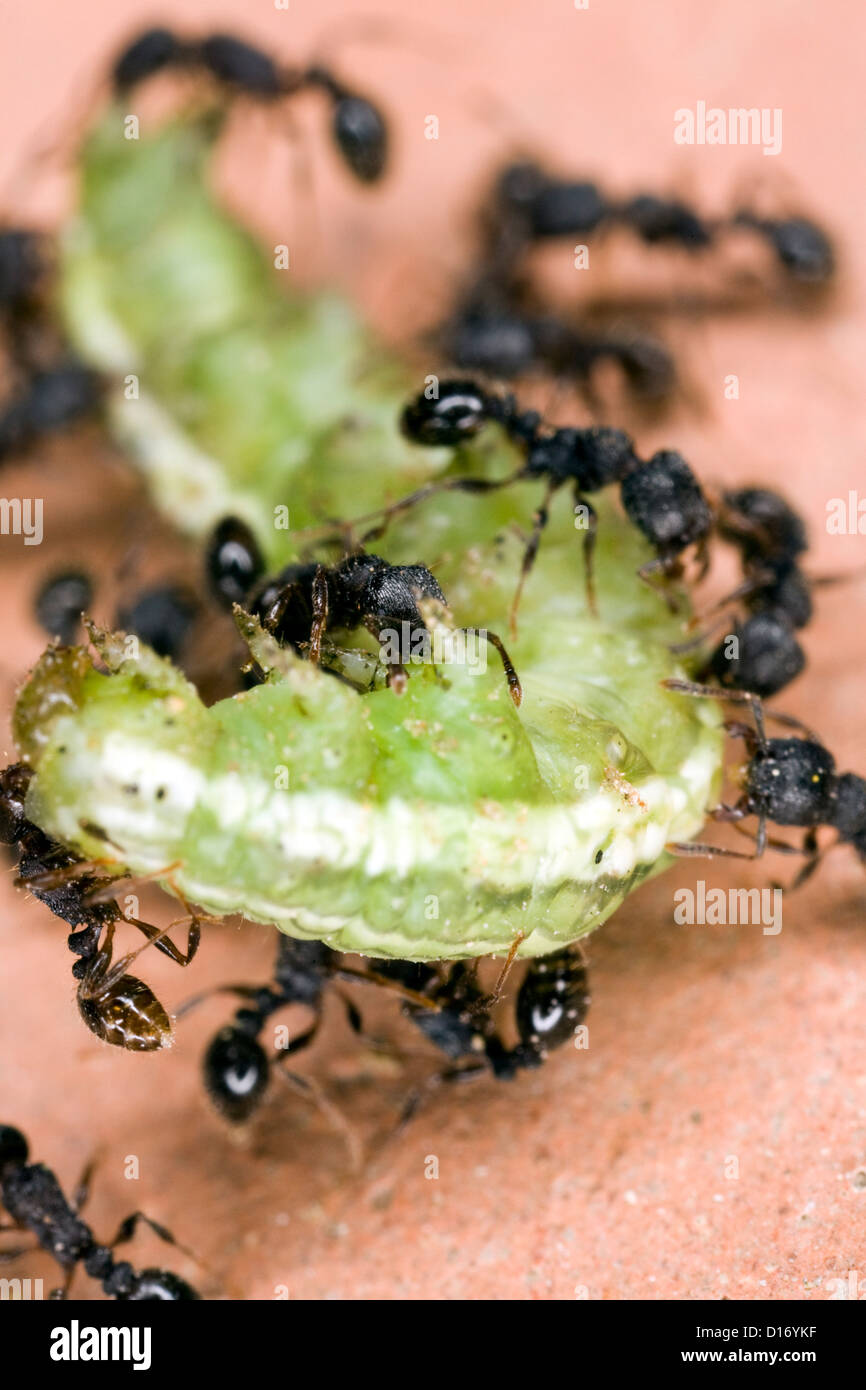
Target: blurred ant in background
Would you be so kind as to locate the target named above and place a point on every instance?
(36, 1202)
(501, 326)
(117, 1007)
(358, 128)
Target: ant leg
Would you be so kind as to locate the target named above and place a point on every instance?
(320, 614)
(412, 1103)
(81, 1192)
(372, 977)
(694, 849)
(398, 677)
(541, 519)
(429, 490)
(127, 1228)
(488, 1001)
(670, 571)
(515, 689)
(61, 1294)
(165, 944)
(734, 697)
(57, 878)
(101, 975)
(815, 855)
(680, 648)
(311, 1091)
(589, 541)
(239, 991)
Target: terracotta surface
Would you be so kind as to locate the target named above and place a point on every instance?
(607, 1174)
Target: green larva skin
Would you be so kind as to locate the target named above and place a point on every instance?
(442, 823)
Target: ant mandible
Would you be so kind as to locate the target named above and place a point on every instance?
(36, 1202)
(117, 1007)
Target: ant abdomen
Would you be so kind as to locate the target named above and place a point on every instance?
(129, 1015)
(236, 1072)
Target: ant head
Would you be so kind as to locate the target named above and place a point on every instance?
(152, 52)
(501, 342)
(762, 524)
(792, 782)
(236, 1072)
(768, 655)
(233, 561)
(14, 1149)
(552, 1001)
(665, 501)
(803, 249)
(161, 617)
(60, 602)
(456, 413)
(152, 1285)
(393, 593)
(14, 781)
(127, 1015)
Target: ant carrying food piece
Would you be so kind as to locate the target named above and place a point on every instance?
(298, 605)
(789, 782)
(661, 495)
(37, 1203)
(116, 1006)
(358, 128)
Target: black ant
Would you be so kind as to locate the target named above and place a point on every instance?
(789, 781)
(552, 1001)
(358, 127)
(300, 603)
(119, 1008)
(22, 263)
(48, 401)
(770, 537)
(661, 495)
(505, 337)
(60, 602)
(162, 616)
(531, 205)
(236, 1067)
(443, 1001)
(36, 1202)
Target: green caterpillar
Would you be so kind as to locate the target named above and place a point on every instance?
(442, 823)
